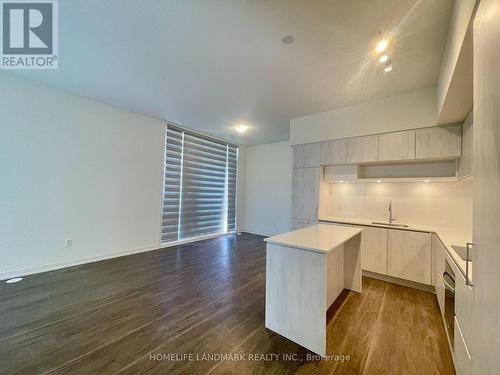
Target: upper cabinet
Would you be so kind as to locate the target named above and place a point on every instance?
(426, 144)
(333, 152)
(439, 142)
(396, 146)
(306, 155)
(362, 149)
(465, 162)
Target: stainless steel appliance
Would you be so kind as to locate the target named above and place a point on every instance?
(448, 278)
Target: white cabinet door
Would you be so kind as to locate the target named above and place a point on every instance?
(333, 152)
(374, 250)
(439, 142)
(409, 255)
(305, 193)
(465, 161)
(306, 155)
(299, 224)
(463, 306)
(396, 146)
(362, 149)
(439, 267)
(461, 354)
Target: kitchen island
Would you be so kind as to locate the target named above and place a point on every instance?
(306, 270)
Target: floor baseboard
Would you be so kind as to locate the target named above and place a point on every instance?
(256, 233)
(71, 263)
(395, 280)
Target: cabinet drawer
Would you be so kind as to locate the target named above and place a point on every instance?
(463, 306)
(461, 354)
(439, 267)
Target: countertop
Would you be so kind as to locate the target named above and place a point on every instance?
(320, 238)
(448, 236)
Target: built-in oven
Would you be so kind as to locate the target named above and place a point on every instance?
(448, 278)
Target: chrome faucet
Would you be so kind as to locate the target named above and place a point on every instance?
(391, 218)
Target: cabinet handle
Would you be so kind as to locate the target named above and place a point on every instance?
(446, 283)
(467, 259)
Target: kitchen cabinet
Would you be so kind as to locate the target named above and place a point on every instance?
(396, 146)
(465, 161)
(463, 306)
(306, 155)
(461, 354)
(438, 142)
(485, 341)
(305, 193)
(333, 152)
(374, 250)
(439, 267)
(362, 149)
(299, 224)
(409, 255)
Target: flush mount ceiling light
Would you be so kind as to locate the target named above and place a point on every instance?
(382, 44)
(388, 65)
(241, 128)
(288, 39)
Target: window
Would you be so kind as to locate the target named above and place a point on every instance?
(199, 196)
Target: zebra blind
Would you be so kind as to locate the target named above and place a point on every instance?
(200, 186)
(172, 185)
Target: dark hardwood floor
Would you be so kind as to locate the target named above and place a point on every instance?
(128, 315)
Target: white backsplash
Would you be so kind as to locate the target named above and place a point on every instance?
(447, 204)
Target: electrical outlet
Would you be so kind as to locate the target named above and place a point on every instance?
(68, 243)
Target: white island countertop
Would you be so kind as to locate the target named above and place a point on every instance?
(320, 238)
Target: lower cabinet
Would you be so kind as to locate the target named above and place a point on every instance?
(463, 306)
(409, 256)
(439, 267)
(461, 354)
(298, 223)
(374, 250)
(463, 299)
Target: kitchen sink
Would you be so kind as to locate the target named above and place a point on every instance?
(390, 224)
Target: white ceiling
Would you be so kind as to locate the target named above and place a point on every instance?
(208, 64)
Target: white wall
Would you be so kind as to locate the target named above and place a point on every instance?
(459, 23)
(268, 188)
(437, 203)
(407, 111)
(74, 168)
